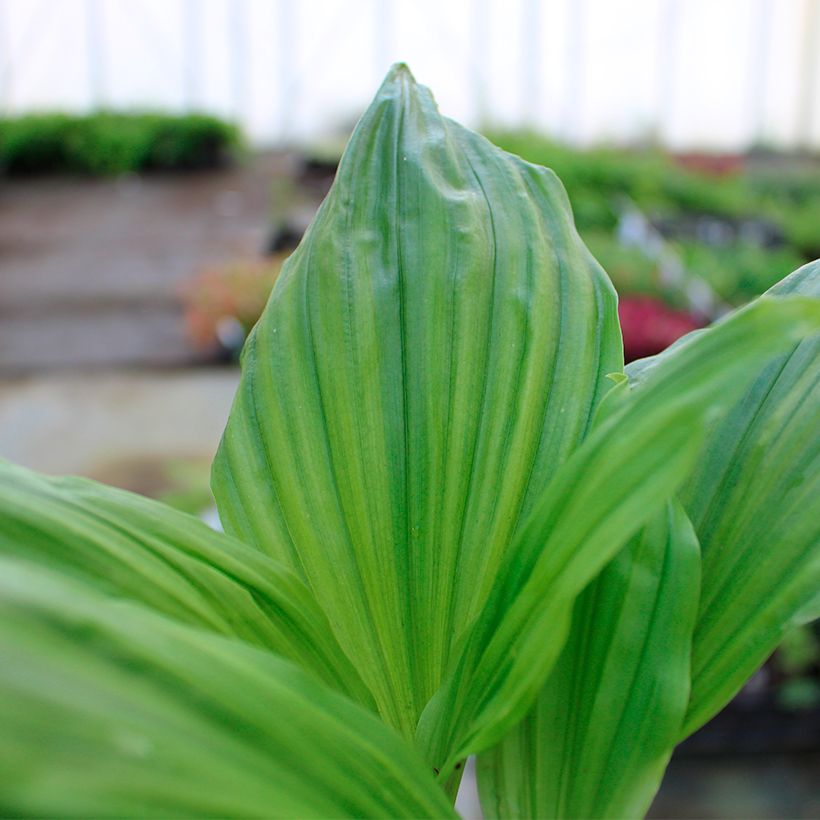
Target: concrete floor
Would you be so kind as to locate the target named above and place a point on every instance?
(97, 376)
(114, 426)
(90, 270)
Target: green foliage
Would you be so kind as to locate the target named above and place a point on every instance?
(629, 267)
(754, 500)
(107, 143)
(456, 526)
(110, 709)
(797, 660)
(740, 271)
(598, 180)
(647, 177)
(800, 226)
(628, 655)
(799, 650)
(184, 486)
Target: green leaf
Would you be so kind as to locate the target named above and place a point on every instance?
(754, 500)
(130, 547)
(109, 709)
(610, 487)
(597, 741)
(431, 353)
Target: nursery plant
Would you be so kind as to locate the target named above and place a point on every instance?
(107, 143)
(740, 231)
(454, 525)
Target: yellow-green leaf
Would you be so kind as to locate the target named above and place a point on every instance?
(130, 547)
(610, 487)
(108, 709)
(431, 353)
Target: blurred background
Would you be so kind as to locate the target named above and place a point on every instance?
(160, 158)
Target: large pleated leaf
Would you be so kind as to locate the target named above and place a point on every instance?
(599, 736)
(130, 547)
(430, 354)
(610, 487)
(754, 501)
(111, 710)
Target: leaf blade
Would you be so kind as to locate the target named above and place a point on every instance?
(630, 463)
(111, 709)
(599, 736)
(754, 503)
(415, 378)
(128, 546)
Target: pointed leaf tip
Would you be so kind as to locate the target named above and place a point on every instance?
(400, 71)
(401, 90)
(398, 78)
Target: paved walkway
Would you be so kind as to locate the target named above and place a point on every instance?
(90, 269)
(115, 427)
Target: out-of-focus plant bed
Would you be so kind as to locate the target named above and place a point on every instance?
(181, 483)
(739, 223)
(648, 325)
(778, 711)
(222, 304)
(759, 756)
(109, 143)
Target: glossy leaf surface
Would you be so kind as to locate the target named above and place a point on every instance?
(431, 353)
(108, 709)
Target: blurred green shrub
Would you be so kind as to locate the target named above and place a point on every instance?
(769, 206)
(108, 143)
(186, 485)
(797, 663)
(628, 267)
(741, 270)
